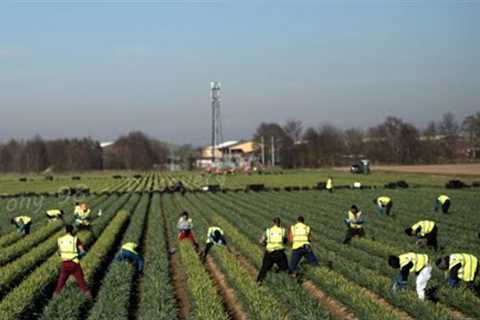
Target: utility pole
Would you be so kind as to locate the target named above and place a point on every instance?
(263, 151)
(273, 152)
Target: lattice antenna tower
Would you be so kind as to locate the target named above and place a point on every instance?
(217, 134)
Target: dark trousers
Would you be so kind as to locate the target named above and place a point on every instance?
(445, 206)
(352, 232)
(24, 228)
(71, 268)
(388, 208)
(432, 238)
(277, 257)
(135, 259)
(303, 252)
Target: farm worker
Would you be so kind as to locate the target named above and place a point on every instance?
(185, 226)
(215, 236)
(412, 262)
(329, 185)
(82, 215)
(128, 252)
(71, 249)
(274, 239)
(424, 230)
(461, 266)
(443, 201)
(23, 224)
(300, 236)
(54, 215)
(354, 223)
(384, 204)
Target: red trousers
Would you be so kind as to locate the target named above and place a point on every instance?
(71, 268)
(182, 235)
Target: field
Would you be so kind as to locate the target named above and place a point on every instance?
(352, 281)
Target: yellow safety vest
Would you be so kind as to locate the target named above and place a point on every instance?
(23, 219)
(419, 261)
(210, 233)
(383, 201)
(469, 265)
(275, 236)
(354, 218)
(427, 227)
(443, 198)
(54, 213)
(329, 184)
(300, 235)
(67, 245)
(84, 214)
(130, 246)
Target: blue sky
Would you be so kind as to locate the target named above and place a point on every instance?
(72, 68)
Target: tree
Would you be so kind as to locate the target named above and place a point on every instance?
(354, 142)
(471, 126)
(450, 129)
(281, 142)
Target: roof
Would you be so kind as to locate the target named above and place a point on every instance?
(106, 144)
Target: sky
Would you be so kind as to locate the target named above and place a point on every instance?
(104, 68)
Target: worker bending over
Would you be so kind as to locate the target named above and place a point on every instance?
(185, 226)
(54, 215)
(424, 230)
(274, 239)
(329, 185)
(82, 215)
(215, 236)
(354, 223)
(300, 236)
(415, 263)
(443, 201)
(128, 252)
(384, 205)
(460, 266)
(71, 250)
(22, 223)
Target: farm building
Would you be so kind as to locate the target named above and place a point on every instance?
(234, 154)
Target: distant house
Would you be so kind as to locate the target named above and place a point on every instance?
(232, 154)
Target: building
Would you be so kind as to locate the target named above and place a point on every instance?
(229, 154)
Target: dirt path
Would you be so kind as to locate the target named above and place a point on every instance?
(177, 275)
(470, 169)
(229, 296)
(335, 308)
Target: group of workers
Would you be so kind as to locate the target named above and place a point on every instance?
(71, 249)
(81, 214)
(460, 266)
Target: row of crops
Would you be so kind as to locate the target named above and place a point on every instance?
(352, 281)
(125, 182)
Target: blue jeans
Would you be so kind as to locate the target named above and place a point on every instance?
(298, 254)
(135, 259)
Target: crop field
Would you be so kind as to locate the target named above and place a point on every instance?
(352, 281)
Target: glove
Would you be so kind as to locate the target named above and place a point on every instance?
(347, 222)
(398, 284)
(452, 283)
(82, 254)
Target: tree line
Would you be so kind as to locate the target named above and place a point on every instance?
(134, 151)
(393, 141)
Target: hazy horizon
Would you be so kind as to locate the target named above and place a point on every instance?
(72, 69)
